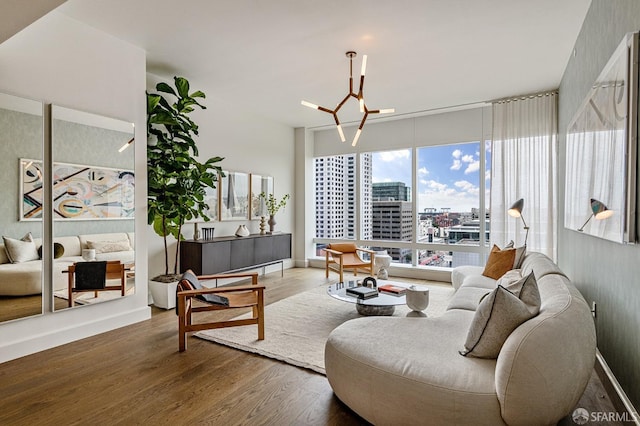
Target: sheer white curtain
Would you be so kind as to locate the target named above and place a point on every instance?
(524, 165)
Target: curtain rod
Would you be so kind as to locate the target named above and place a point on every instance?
(524, 97)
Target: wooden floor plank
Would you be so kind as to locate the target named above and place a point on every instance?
(135, 375)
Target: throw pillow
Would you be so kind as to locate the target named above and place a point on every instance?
(509, 278)
(22, 250)
(500, 261)
(189, 281)
(496, 317)
(58, 251)
(526, 289)
(109, 246)
(520, 252)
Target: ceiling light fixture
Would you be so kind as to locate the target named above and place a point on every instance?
(126, 145)
(359, 96)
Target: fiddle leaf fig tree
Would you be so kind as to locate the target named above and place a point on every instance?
(177, 180)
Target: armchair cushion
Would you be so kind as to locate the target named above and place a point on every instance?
(189, 281)
(343, 247)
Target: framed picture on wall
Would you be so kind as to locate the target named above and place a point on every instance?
(260, 184)
(79, 192)
(234, 196)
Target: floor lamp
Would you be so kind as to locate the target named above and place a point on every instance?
(516, 211)
(599, 211)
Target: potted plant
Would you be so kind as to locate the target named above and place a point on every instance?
(176, 179)
(273, 205)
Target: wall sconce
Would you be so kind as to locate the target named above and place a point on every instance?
(516, 211)
(599, 211)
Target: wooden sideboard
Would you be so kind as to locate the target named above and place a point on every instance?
(232, 254)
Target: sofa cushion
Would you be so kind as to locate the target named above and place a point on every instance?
(500, 261)
(497, 315)
(22, 250)
(461, 273)
(404, 371)
(526, 289)
(468, 298)
(114, 236)
(109, 246)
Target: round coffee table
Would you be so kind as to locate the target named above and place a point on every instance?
(382, 305)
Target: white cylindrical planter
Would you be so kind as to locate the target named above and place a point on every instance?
(163, 294)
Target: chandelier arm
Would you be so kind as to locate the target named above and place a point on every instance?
(346, 98)
(364, 118)
(321, 108)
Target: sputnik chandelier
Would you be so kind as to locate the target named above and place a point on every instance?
(359, 96)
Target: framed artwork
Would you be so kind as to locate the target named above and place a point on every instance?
(259, 184)
(211, 197)
(79, 192)
(234, 196)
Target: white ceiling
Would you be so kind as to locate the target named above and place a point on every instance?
(422, 54)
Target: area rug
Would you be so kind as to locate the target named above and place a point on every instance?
(88, 297)
(297, 328)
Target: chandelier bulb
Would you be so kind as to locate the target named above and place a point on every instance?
(387, 111)
(341, 133)
(361, 104)
(309, 104)
(356, 137)
(364, 65)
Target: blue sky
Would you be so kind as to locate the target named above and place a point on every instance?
(448, 175)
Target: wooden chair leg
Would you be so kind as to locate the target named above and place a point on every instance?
(326, 265)
(341, 271)
(182, 320)
(260, 315)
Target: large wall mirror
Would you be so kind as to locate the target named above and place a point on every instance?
(21, 145)
(93, 208)
(600, 195)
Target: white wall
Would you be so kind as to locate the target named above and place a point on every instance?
(249, 143)
(62, 61)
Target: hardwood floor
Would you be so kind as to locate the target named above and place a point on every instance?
(135, 375)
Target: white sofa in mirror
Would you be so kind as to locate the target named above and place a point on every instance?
(21, 136)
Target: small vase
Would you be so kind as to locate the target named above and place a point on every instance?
(263, 225)
(242, 231)
(272, 223)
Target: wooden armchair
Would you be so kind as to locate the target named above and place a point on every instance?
(345, 255)
(214, 299)
(93, 276)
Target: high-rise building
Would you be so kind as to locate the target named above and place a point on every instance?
(391, 191)
(336, 202)
(393, 220)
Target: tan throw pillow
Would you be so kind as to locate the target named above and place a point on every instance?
(22, 250)
(109, 246)
(500, 261)
(498, 314)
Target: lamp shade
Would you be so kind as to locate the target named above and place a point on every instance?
(600, 211)
(516, 208)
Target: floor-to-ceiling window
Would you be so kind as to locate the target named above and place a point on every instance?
(425, 206)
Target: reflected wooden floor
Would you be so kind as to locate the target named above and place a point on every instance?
(135, 375)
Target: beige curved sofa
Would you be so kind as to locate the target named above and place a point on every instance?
(24, 279)
(408, 370)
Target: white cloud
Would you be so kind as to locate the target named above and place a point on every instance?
(456, 154)
(473, 167)
(422, 171)
(467, 158)
(467, 187)
(487, 175)
(392, 156)
(457, 164)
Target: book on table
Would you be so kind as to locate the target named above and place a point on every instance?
(393, 289)
(362, 292)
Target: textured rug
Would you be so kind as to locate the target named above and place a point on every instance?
(296, 328)
(89, 299)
